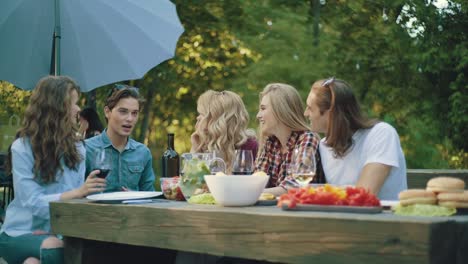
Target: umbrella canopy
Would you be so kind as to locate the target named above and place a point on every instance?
(97, 42)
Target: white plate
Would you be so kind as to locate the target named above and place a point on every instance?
(117, 196)
(389, 203)
(315, 185)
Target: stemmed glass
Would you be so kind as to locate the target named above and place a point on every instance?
(243, 162)
(102, 162)
(216, 162)
(302, 167)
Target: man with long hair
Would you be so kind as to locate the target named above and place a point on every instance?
(355, 150)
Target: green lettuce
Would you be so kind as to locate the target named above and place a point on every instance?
(204, 198)
(424, 210)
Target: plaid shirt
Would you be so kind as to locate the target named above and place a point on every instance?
(275, 163)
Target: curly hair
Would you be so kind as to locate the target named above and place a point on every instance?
(49, 126)
(223, 126)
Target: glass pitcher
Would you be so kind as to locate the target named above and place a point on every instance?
(193, 169)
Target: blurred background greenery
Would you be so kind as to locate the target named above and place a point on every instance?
(406, 59)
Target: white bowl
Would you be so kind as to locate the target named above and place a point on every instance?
(236, 190)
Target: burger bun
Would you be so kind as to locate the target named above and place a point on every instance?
(417, 196)
(445, 184)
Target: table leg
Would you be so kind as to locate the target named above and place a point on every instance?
(73, 250)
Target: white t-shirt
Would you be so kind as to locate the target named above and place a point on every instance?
(379, 144)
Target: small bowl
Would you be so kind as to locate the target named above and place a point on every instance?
(236, 190)
(170, 188)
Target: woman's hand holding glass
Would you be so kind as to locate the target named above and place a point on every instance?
(302, 167)
(93, 184)
(103, 163)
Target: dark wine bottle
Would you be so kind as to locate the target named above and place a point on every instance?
(170, 159)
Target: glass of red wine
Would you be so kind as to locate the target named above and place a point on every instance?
(243, 162)
(102, 162)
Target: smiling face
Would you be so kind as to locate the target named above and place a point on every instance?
(266, 116)
(123, 117)
(318, 121)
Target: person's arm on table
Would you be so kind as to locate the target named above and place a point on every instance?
(373, 176)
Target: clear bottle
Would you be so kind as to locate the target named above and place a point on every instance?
(170, 159)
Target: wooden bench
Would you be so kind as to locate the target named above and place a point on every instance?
(417, 178)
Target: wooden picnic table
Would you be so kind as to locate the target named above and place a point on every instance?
(263, 232)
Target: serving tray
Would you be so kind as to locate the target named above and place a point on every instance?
(334, 208)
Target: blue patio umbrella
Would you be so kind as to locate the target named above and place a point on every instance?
(96, 42)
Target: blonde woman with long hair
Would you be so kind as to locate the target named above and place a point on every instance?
(222, 126)
(48, 164)
(283, 127)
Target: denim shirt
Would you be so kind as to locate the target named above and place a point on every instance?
(132, 168)
(29, 210)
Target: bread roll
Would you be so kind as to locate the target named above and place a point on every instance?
(460, 197)
(417, 196)
(445, 184)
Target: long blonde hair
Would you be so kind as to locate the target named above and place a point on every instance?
(49, 126)
(287, 107)
(223, 127)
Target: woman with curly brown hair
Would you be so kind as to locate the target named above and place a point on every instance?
(47, 165)
(222, 126)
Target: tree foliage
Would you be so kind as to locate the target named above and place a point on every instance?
(406, 59)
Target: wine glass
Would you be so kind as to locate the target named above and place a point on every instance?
(102, 162)
(216, 162)
(243, 162)
(302, 167)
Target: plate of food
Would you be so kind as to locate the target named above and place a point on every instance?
(121, 196)
(267, 199)
(328, 198)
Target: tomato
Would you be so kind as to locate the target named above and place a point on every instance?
(329, 195)
(361, 197)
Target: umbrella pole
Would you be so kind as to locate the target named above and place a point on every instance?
(55, 65)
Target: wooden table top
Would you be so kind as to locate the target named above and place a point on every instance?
(267, 232)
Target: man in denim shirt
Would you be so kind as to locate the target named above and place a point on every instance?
(132, 167)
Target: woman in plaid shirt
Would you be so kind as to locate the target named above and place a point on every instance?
(283, 127)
